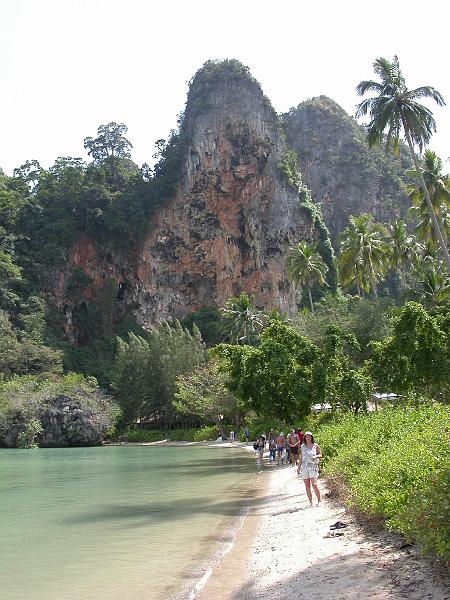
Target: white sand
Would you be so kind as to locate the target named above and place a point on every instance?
(281, 553)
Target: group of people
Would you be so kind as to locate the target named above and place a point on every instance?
(297, 448)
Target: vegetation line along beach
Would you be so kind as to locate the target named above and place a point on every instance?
(277, 282)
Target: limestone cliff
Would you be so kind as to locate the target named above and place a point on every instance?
(229, 226)
(344, 175)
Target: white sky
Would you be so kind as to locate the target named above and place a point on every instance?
(68, 66)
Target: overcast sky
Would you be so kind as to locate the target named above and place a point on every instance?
(68, 66)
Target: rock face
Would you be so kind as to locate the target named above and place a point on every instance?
(344, 175)
(65, 422)
(234, 218)
(230, 224)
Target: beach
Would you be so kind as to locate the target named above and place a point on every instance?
(285, 549)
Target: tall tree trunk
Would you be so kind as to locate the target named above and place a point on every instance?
(437, 229)
(310, 300)
(373, 285)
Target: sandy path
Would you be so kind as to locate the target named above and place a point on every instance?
(281, 553)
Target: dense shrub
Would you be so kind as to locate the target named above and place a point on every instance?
(143, 435)
(30, 404)
(177, 435)
(396, 466)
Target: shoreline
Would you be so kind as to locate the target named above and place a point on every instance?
(206, 443)
(281, 551)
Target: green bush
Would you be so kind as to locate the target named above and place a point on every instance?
(143, 435)
(396, 466)
(177, 435)
(181, 435)
(208, 432)
(24, 402)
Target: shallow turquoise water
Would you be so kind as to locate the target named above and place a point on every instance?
(122, 522)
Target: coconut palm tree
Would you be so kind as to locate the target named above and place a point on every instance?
(438, 186)
(306, 267)
(395, 109)
(243, 320)
(431, 283)
(403, 245)
(364, 253)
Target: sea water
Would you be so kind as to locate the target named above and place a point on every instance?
(119, 522)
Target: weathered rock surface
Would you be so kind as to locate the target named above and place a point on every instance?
(65, 422)
(344, 175)
(230, 224)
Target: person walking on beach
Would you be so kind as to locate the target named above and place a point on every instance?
(294, 444)
(280, 442)
(288, 450)
(259, 446)
(309, 465)
(272, 449)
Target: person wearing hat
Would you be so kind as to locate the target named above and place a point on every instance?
(308, 468)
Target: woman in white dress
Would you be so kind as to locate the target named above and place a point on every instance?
(308, 468)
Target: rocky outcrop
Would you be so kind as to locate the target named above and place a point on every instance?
(229, 226)
(343, 174)
(67, 423)
(228, 222)
(234, 218)
(59, 422)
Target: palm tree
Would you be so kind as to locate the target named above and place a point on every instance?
(364, 253)
(431, 281)
(306, 266)
(438, 186)
(242, 319)
(403, 245)
(395, 108)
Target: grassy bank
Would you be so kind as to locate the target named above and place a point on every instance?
(395, 465)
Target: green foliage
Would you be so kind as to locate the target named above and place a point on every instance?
(324, 245)
(27, 437)
(355, 390)
(395, 108)
(209, 322)
(242, 321)
(24, 399)
(143, 435)
(365, 319)
(214, 72)
(276, 378)
(289, 166)
(77, 282)
(306, 267)
(364, 254)
(20, 354)
(207, 432)
(415, 358)
(395, 463)
(203, 393)
(146, 370)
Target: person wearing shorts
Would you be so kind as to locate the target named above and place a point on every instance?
(294, 444)
(280, 441)
(308, 468)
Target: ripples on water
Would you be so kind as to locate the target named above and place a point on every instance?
(121, 522)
